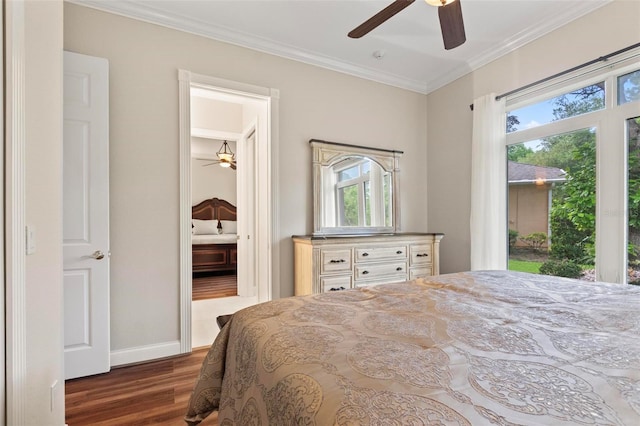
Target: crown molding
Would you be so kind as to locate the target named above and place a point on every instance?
(151, 15)
(148, 13)
(514, 43)
(536, 31)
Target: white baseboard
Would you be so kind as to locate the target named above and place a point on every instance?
(144, 353)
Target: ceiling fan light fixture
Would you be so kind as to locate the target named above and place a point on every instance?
(438, 3)
(225, 155)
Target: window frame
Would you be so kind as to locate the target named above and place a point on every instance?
(610, 125)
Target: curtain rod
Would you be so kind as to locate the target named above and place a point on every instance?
(567, 71)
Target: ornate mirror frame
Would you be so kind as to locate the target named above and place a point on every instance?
(324, 156)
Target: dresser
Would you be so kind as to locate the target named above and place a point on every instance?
(332, 263)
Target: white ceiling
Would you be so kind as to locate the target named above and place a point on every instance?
(315, 32)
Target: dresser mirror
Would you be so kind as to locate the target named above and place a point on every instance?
(355, 189)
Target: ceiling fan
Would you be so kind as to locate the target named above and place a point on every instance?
(226, 157)
(449, 12)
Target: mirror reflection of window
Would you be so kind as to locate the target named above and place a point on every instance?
(348, 212)
(367, 204)
(354, 189)
(386, 193)
(363, 193)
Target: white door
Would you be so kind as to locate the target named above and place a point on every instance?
(86, 215)
(246, 212)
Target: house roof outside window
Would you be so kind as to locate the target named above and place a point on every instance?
(520, 173)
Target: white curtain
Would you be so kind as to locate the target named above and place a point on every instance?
(488, 185)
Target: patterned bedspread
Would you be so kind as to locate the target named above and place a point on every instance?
(474, 348)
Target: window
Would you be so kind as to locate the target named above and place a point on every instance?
(359, 206)
(574, 177)
(552, 197)
(570, 104)
(629, 87)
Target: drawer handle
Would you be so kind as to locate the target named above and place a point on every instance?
(399, 268)
(399, 252)
(336, 289)
(365, 254)
(337, 261)
(365, 272)
(423, 255)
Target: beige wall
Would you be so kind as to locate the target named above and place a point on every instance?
(213, 181)
(608, 29)
(314, 103)
(216, 115)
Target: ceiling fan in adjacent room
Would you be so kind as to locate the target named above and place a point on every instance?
(449, 12)
(226, 157)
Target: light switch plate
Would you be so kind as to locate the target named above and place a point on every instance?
(30, 239)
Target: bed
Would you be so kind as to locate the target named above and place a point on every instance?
(472, 348)
(214, 239)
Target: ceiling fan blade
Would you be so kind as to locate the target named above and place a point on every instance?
(233, 165)
(210, 164)
(379, 18)
(452, 25)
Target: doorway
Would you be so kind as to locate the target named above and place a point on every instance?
(214, 199)
(242, 118)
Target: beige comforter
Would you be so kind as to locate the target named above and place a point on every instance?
(473, 348)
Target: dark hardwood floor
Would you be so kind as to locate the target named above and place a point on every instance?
(214, 286)
(153, 393)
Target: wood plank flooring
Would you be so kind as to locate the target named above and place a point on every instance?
(153, 393)
(214, 286)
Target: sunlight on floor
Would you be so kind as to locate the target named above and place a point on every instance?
(204, 312)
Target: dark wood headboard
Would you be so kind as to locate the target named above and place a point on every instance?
(214, 208)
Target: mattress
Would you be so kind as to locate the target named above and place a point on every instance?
(214, 239)
(472, 348)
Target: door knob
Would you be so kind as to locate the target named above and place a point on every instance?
(98, 255)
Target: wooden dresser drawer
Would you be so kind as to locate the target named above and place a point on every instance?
(421, 254)
(381, 280)
(342, 282)
(371, 271)
(420, 272)
(335, 261)
(367, 254)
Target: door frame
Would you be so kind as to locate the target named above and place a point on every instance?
(247, 207)
(15, 314)
(267, 269)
